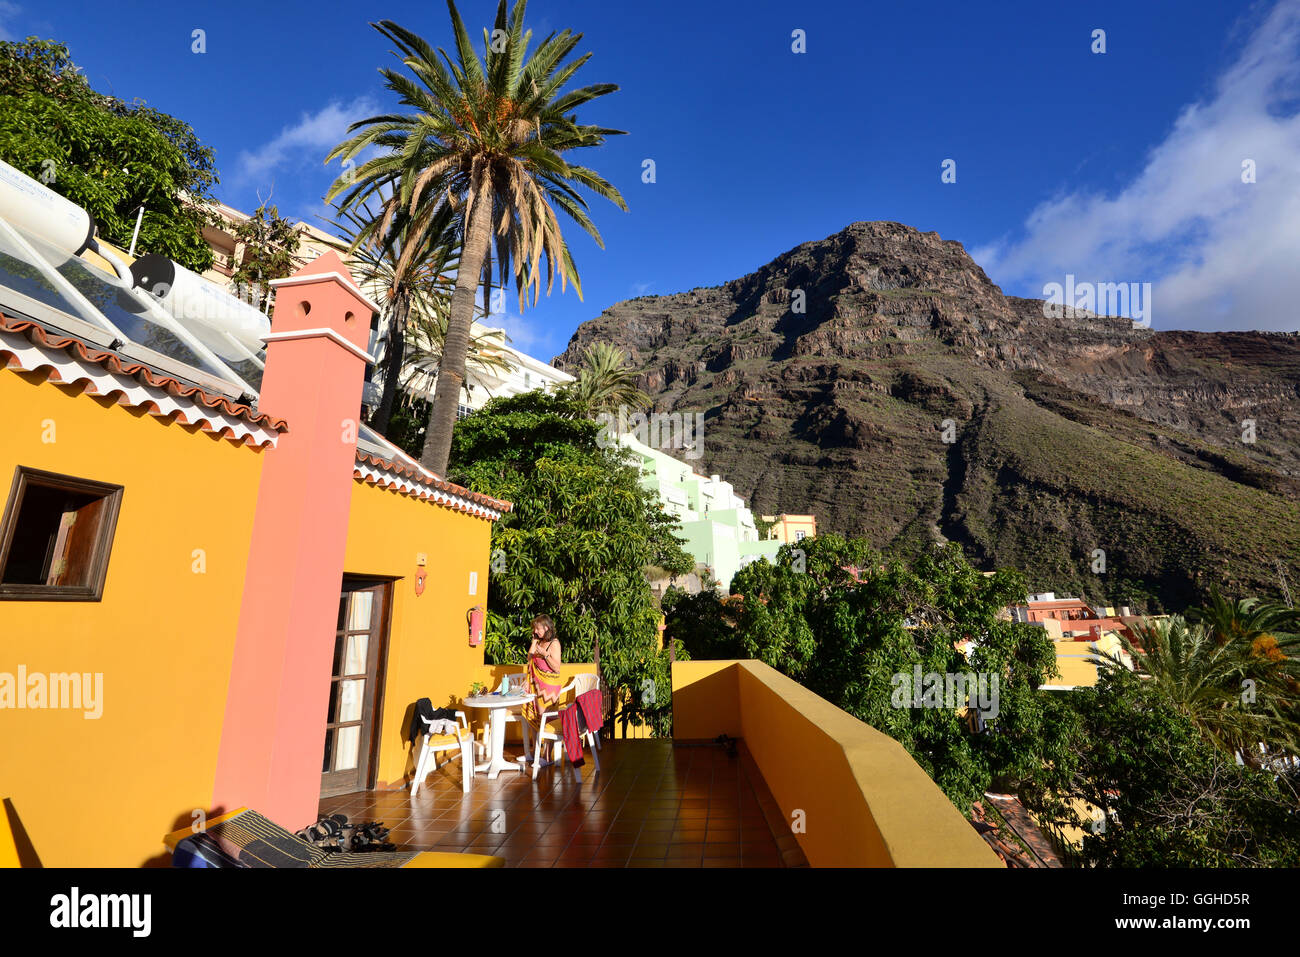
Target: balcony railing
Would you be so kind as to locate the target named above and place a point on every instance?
(854, 797)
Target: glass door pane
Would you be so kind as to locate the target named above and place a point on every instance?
(359, 640)
(347, 743)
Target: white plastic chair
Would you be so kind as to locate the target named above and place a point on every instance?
(580, 685)
(461, 744)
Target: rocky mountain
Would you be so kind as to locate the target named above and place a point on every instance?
(880, 380)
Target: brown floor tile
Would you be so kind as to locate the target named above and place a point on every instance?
(686, 852)
(652, 852)
(619, 840)
(542, 857)
(612, 855)
(718, 849)
(651, 804)
(692, 836)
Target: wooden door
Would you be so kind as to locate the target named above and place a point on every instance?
(356, 687)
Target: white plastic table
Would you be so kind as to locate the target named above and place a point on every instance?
(496, 705)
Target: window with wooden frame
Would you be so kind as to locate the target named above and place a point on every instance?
(55, 537)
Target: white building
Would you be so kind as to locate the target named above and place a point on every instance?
(525, 374)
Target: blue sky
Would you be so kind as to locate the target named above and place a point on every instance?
(1117, 167)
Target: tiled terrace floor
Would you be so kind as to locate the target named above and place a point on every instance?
(655, 803)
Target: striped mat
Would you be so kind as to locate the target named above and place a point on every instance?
(250, 840)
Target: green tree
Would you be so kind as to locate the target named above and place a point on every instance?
(1169, 797)
(487, 136)
(270, 242)
(406, 426)
(832, 614)
(107, 156)
(1233, 671)
(704, 623)
(575, 546)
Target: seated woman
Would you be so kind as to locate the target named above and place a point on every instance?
(543, 672)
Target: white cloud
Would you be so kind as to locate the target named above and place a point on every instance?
(8, 11)
(1221, 253)
(304, 144)
(524, 335)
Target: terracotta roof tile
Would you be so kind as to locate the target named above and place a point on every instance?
(116, 365)
(431, 481)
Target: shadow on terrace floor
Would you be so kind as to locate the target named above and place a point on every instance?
(655, 803)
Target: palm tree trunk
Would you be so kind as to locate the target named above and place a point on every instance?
(393, 356)
(451, 366)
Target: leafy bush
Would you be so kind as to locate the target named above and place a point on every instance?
(576, 544)
(105, 155)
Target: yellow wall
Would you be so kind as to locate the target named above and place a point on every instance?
(1077, 660)
(429, 655)
(103, 792)
(706, 702)
(864, 801)
(787, 525)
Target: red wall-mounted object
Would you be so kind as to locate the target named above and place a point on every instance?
(421, 573)
(475, 617)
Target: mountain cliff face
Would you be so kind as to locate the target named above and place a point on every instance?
(880, 380)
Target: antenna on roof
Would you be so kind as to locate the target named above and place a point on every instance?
(139, 217)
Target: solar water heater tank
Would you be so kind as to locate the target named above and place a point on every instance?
(204, 307)
(38, 211)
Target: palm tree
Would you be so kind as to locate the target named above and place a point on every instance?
(1265, 635)
(1246, 620)
(426, 339)
(425, 335)
(410, 276)
(1237, 697)
(604, 383)
(487, 138)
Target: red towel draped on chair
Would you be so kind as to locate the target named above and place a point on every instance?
(588, 706)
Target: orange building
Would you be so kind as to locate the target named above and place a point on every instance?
(208, 599)
(1073, 618)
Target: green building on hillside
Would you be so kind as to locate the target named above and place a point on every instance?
(719, 530)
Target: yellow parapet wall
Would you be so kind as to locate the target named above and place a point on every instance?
(859, 796)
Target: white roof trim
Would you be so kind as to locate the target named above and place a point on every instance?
(336, 276)
(410, 486)
(95, 379)
(320, 334)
